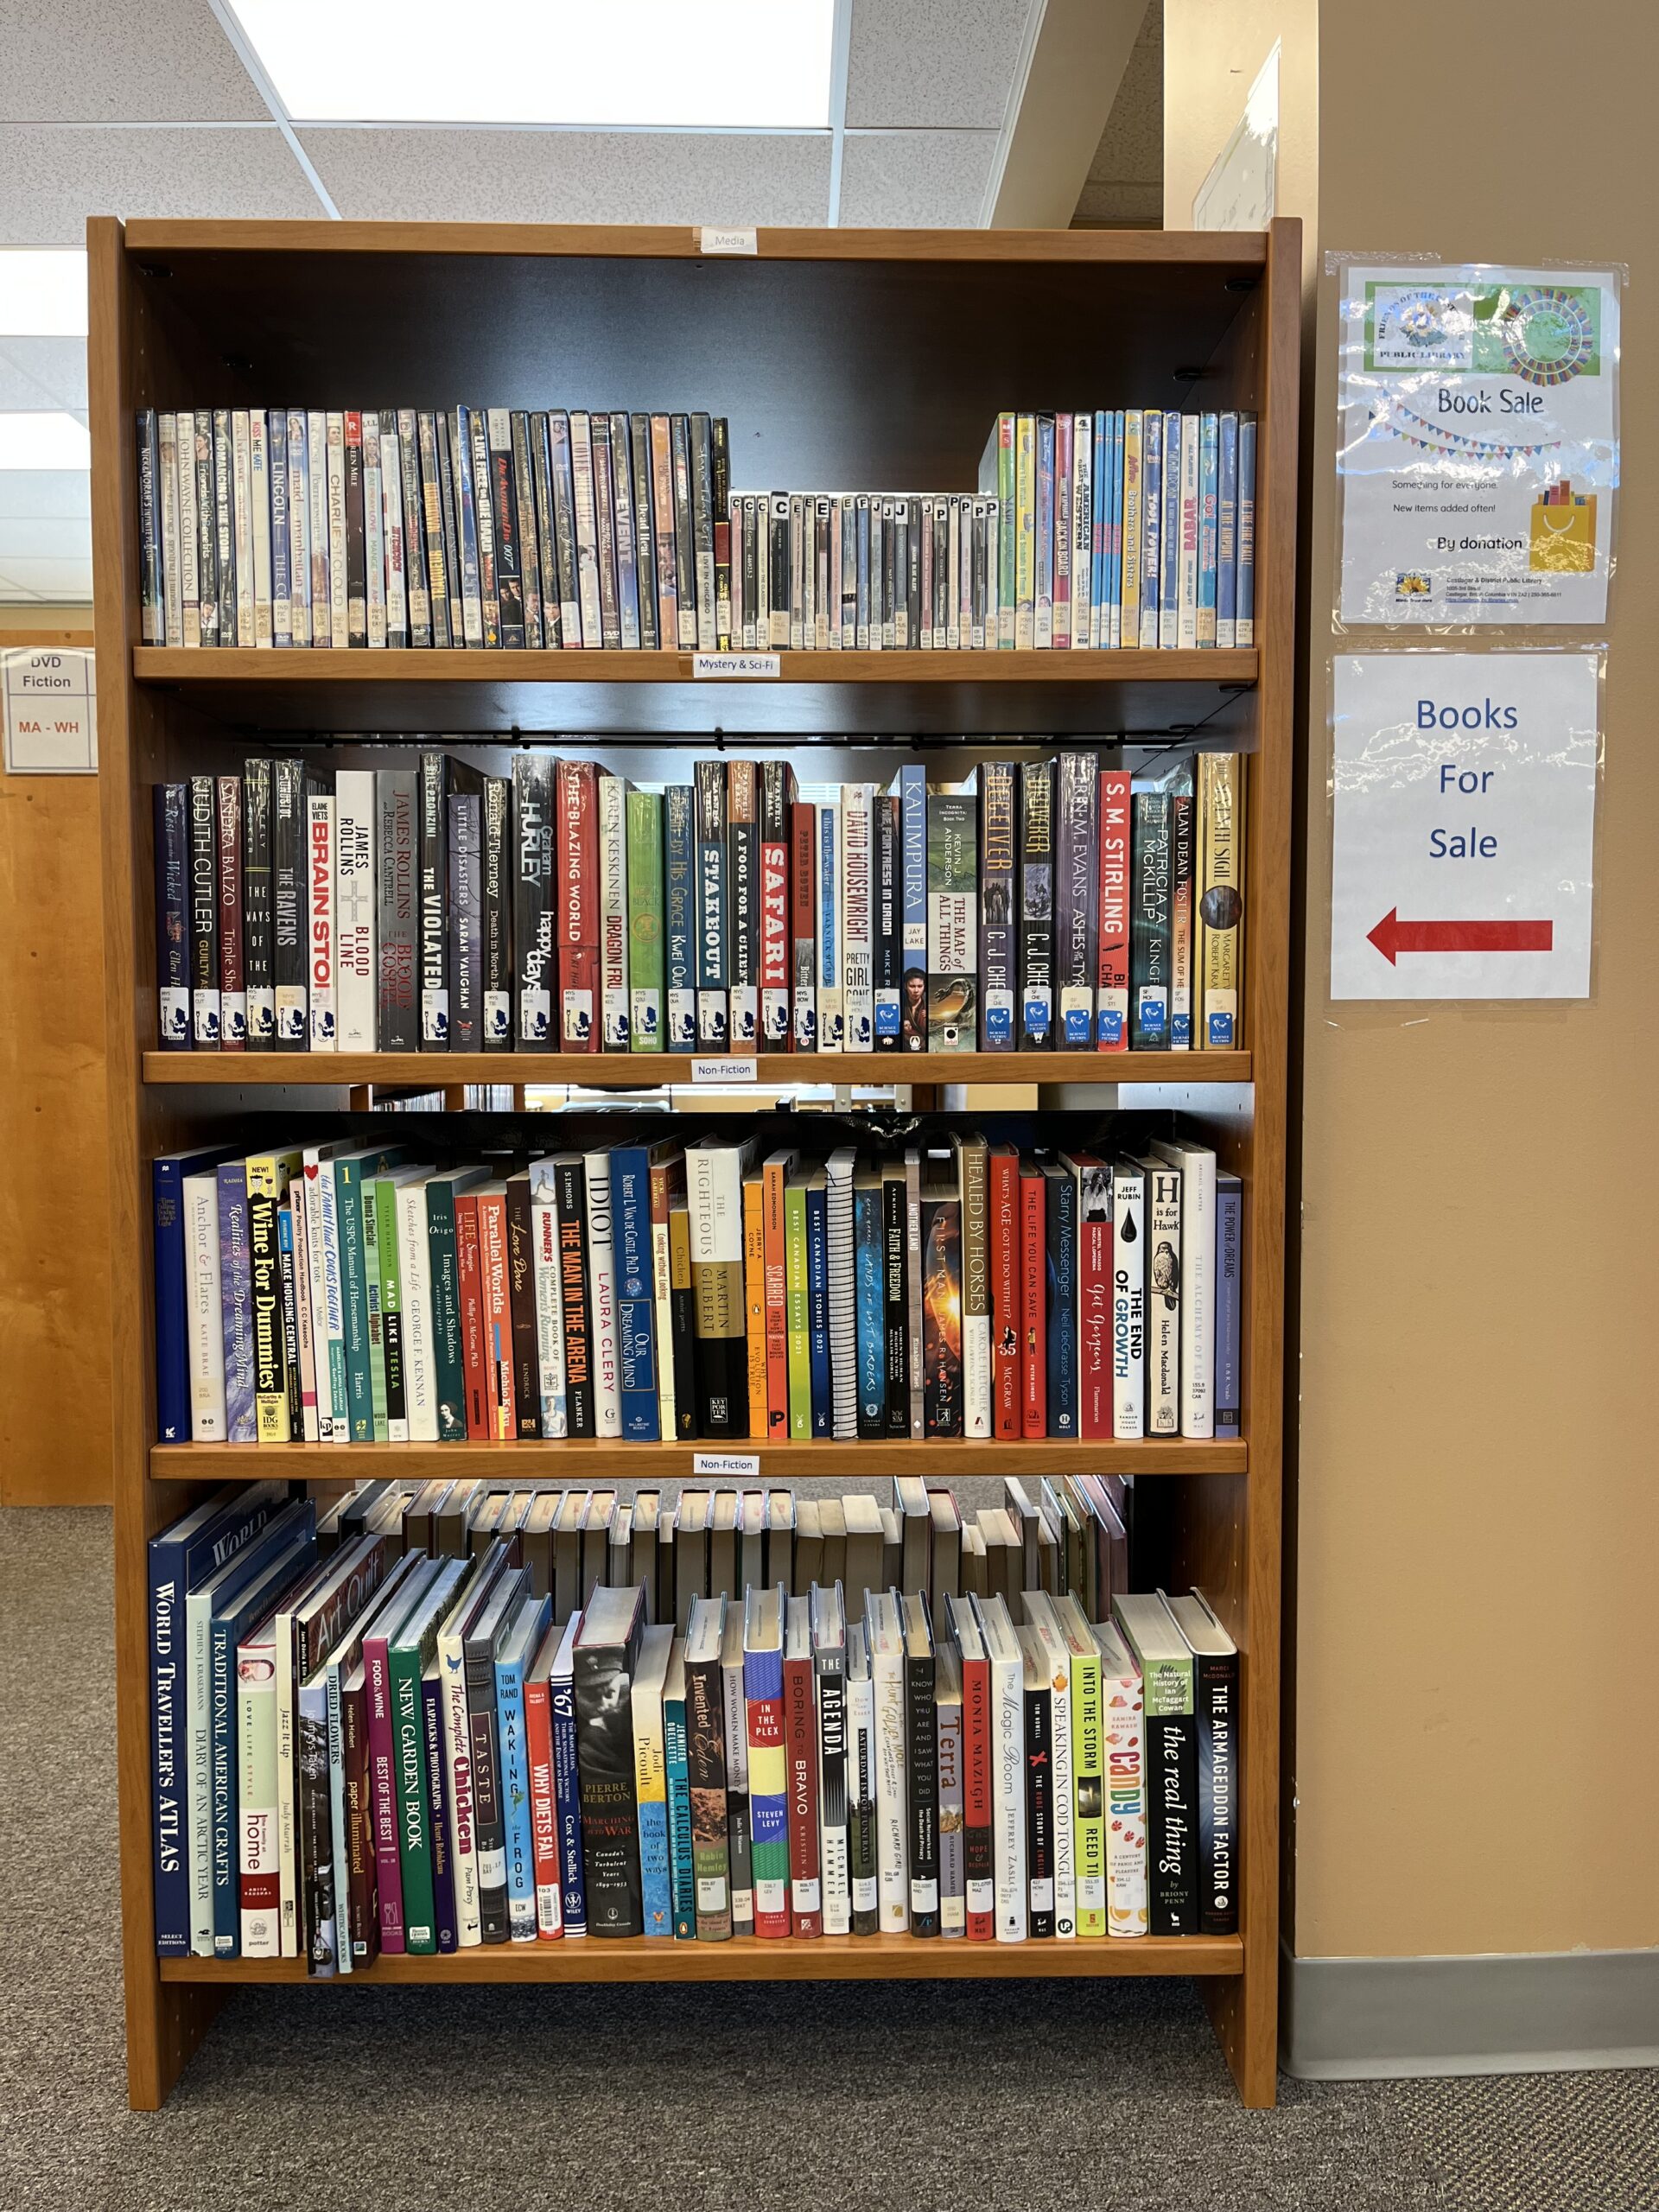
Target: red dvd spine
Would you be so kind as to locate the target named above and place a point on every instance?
(1007, 1308)
(576, 858)
(801, 1755)
(1112, 967)
(1033, 1285)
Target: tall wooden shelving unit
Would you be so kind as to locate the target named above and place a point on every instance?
(861, 357)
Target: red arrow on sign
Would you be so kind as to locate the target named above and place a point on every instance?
(1392, 936)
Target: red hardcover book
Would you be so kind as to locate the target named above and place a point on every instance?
(233, 980)
(544, 1805)
(576, 859)
(976, 1808)
(1112, 960)
(1034, 1298)
(498, 1400)
(803, 926)
(470, 1277)
(801, 1767)
(1007, 1302)
(1094, 1181)
(775, 1175)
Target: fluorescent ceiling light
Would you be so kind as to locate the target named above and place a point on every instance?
(43, 441)
(665, 65)
(42, 295)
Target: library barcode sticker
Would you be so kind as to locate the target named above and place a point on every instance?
(737, 1069)
(729, 664)
(726, 1466)
(715, 240)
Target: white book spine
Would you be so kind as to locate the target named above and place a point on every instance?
(166, 443)
(319, 595)
(256, 1803)
(190, 541)
(420, 1390)
(323, 1211)
(303, 1311)
(1065, 1847)
(306, 1199)
(1008, 1797)
(458, 1790)
(354, 910)
(861, 1761)
(1163, 1300)
(320, 918)
(892, 1822)
(1198, 1291)
(259, 493)
(1126, 1802)
(288, 1863)
(392, 533)
(1186, 633)
(613, 912)
(857, 843)
(1085, 615)
(601, 1296)
(199, 1780)
(334, 509)
(299, 529)
(1128, 1301)
(550, 1310)
(206, 1326)
(242, 523)
(374, 535)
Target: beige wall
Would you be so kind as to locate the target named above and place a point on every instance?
(1474, 1761)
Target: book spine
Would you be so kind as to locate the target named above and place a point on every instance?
(754, 1301)
(1112, 970)
(489, 1813)
(892, 1813)
(712, 919)
(912, 849)
(1033, 1299)
(1129, 1302)
(1171, 1822)
(922, 1795)
(319, 921)
(443, 1864)
(858, 985)
(830, 1746)
(1008, 1802)
(602, 1299)
(862, 1865)
(567, 1795)
(1244, 625)
(1039, 1811)
(518, 1838)
(257, 918)
(1077, 865)
(577, 859)
(1220, 918)
(434, 901)
(534, 913)
(888, 925)
(682, 1881)
(172, 842)
(521, 1306)
(611, 836)
(355, 965)
(776, 784)
(978, 1841)
(1036, 1000)
(680, 963)
(1181, 917)
(1125, 1804)
(1229, 1244)
(716, 1225)
(707, 1784)
(549, 1309)
(233, 974)
(236, 1292)
(570, 1184)
(1149, 922)
(1170, 550)
(744, 901)
(953, 1907)
(645, 897)
(1061, 1233)
(976, 1383)
(1187, 593)
(768, 1792)
(635, 1293)
(998, 926)
(801, 1756)
(871, 1265)
(952, 934)
(1215, 1690)
(464, 919)
(1003, 1204)
(543, 1809)
(412, 1810)
(1094, 1301)
(203, 893)
(802, 927)
(258, 1880)
(383, 1791)
(895, 1305)
(942, 1315)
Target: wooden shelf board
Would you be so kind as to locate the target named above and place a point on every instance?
(745, 1958)
(561, 1459)
(654, 1071)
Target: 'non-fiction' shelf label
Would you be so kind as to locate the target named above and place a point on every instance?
(726, 1466)
(729, 664)
(723, 1071)
(716, 240)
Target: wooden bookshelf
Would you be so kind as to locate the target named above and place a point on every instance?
(842, 357)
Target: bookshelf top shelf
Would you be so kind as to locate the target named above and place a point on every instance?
(1158, 696)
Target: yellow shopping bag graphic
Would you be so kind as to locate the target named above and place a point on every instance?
(1564, 531)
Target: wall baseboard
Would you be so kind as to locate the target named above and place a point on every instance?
(1359, 2019)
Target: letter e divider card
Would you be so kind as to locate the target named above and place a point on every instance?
(1463, 825)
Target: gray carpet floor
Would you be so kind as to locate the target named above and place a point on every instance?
(1004, 2095)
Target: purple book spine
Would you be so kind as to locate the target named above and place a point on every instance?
(236, 1302)
(1230, 1218)
(443, 1869)
(383, 1792)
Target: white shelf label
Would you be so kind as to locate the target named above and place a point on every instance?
(723, 1070)
(726, 1466)
(51, 707)
(729, 664)
(715, 240)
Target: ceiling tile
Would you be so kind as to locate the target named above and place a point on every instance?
(947, 64)
(52, 370)
(123, 61)
(51, 181)
(70, 539)
(574, 176)
(45, 492)
(48, 578)
(926, 179)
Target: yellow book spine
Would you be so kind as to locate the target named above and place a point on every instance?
(1130, 633)
(1221, 899)
(1025, 541)
(754, 1299)
(268, 1178)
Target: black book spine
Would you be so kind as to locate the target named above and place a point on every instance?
(529, 552)
(913, 568)
(489, 1817)
(720, 441)
(224, 525)
(415, 562)
(150, 542)
(610, 1823)
(922, 1746)
(1060, 1209)
(489, 552)
(889, 927)
(172, 828)
(397, 994)
(683, 1323)
(1171, 1825)
(204, 915)
(509, 568)
(449, 526)
(777, 612)
(466, 923)
(895, 1252)
(1077, 890)
(547, 561)
(571, 1184)
(1215, 1694)
(645, 530)
(288, 903)
(532, 899)
(703, 529)
(258, 970)
(435, 881)
(201, 446)
(495, 866)
(1037, 907)
(430, 510)
(357, 558)
(1039, 1810)
(521, 1294)
(685, 556)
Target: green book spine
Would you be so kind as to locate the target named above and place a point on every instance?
(360, 1394)
(952, 931)
(798, 1312)
(392, 1311)
(443, 1268)
(370, 1214)
(1088, 1778)
(644, 837)
(407, 1660)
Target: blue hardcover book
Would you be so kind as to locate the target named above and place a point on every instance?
(1042, 585)
(635, 1292)
(1060, 1194)
(679, 919)
(567, 1787)
(518, 1646)
(1245, 619)
(235, 1301)
(911, 792)
(817, 1301)
(1229, 1230)
(237, 1612)
(869, 1263)
(282, 615)
(444, 1922)
(167, 1176)
(1152, 524)
(1169, 580)
(832, 1022)
(180, 1557)
(1227, 535)
(681, 1878)
(1209, 498)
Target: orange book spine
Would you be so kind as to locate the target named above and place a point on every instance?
(754, 1299)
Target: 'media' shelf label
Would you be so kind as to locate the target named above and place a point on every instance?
(715, 240)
